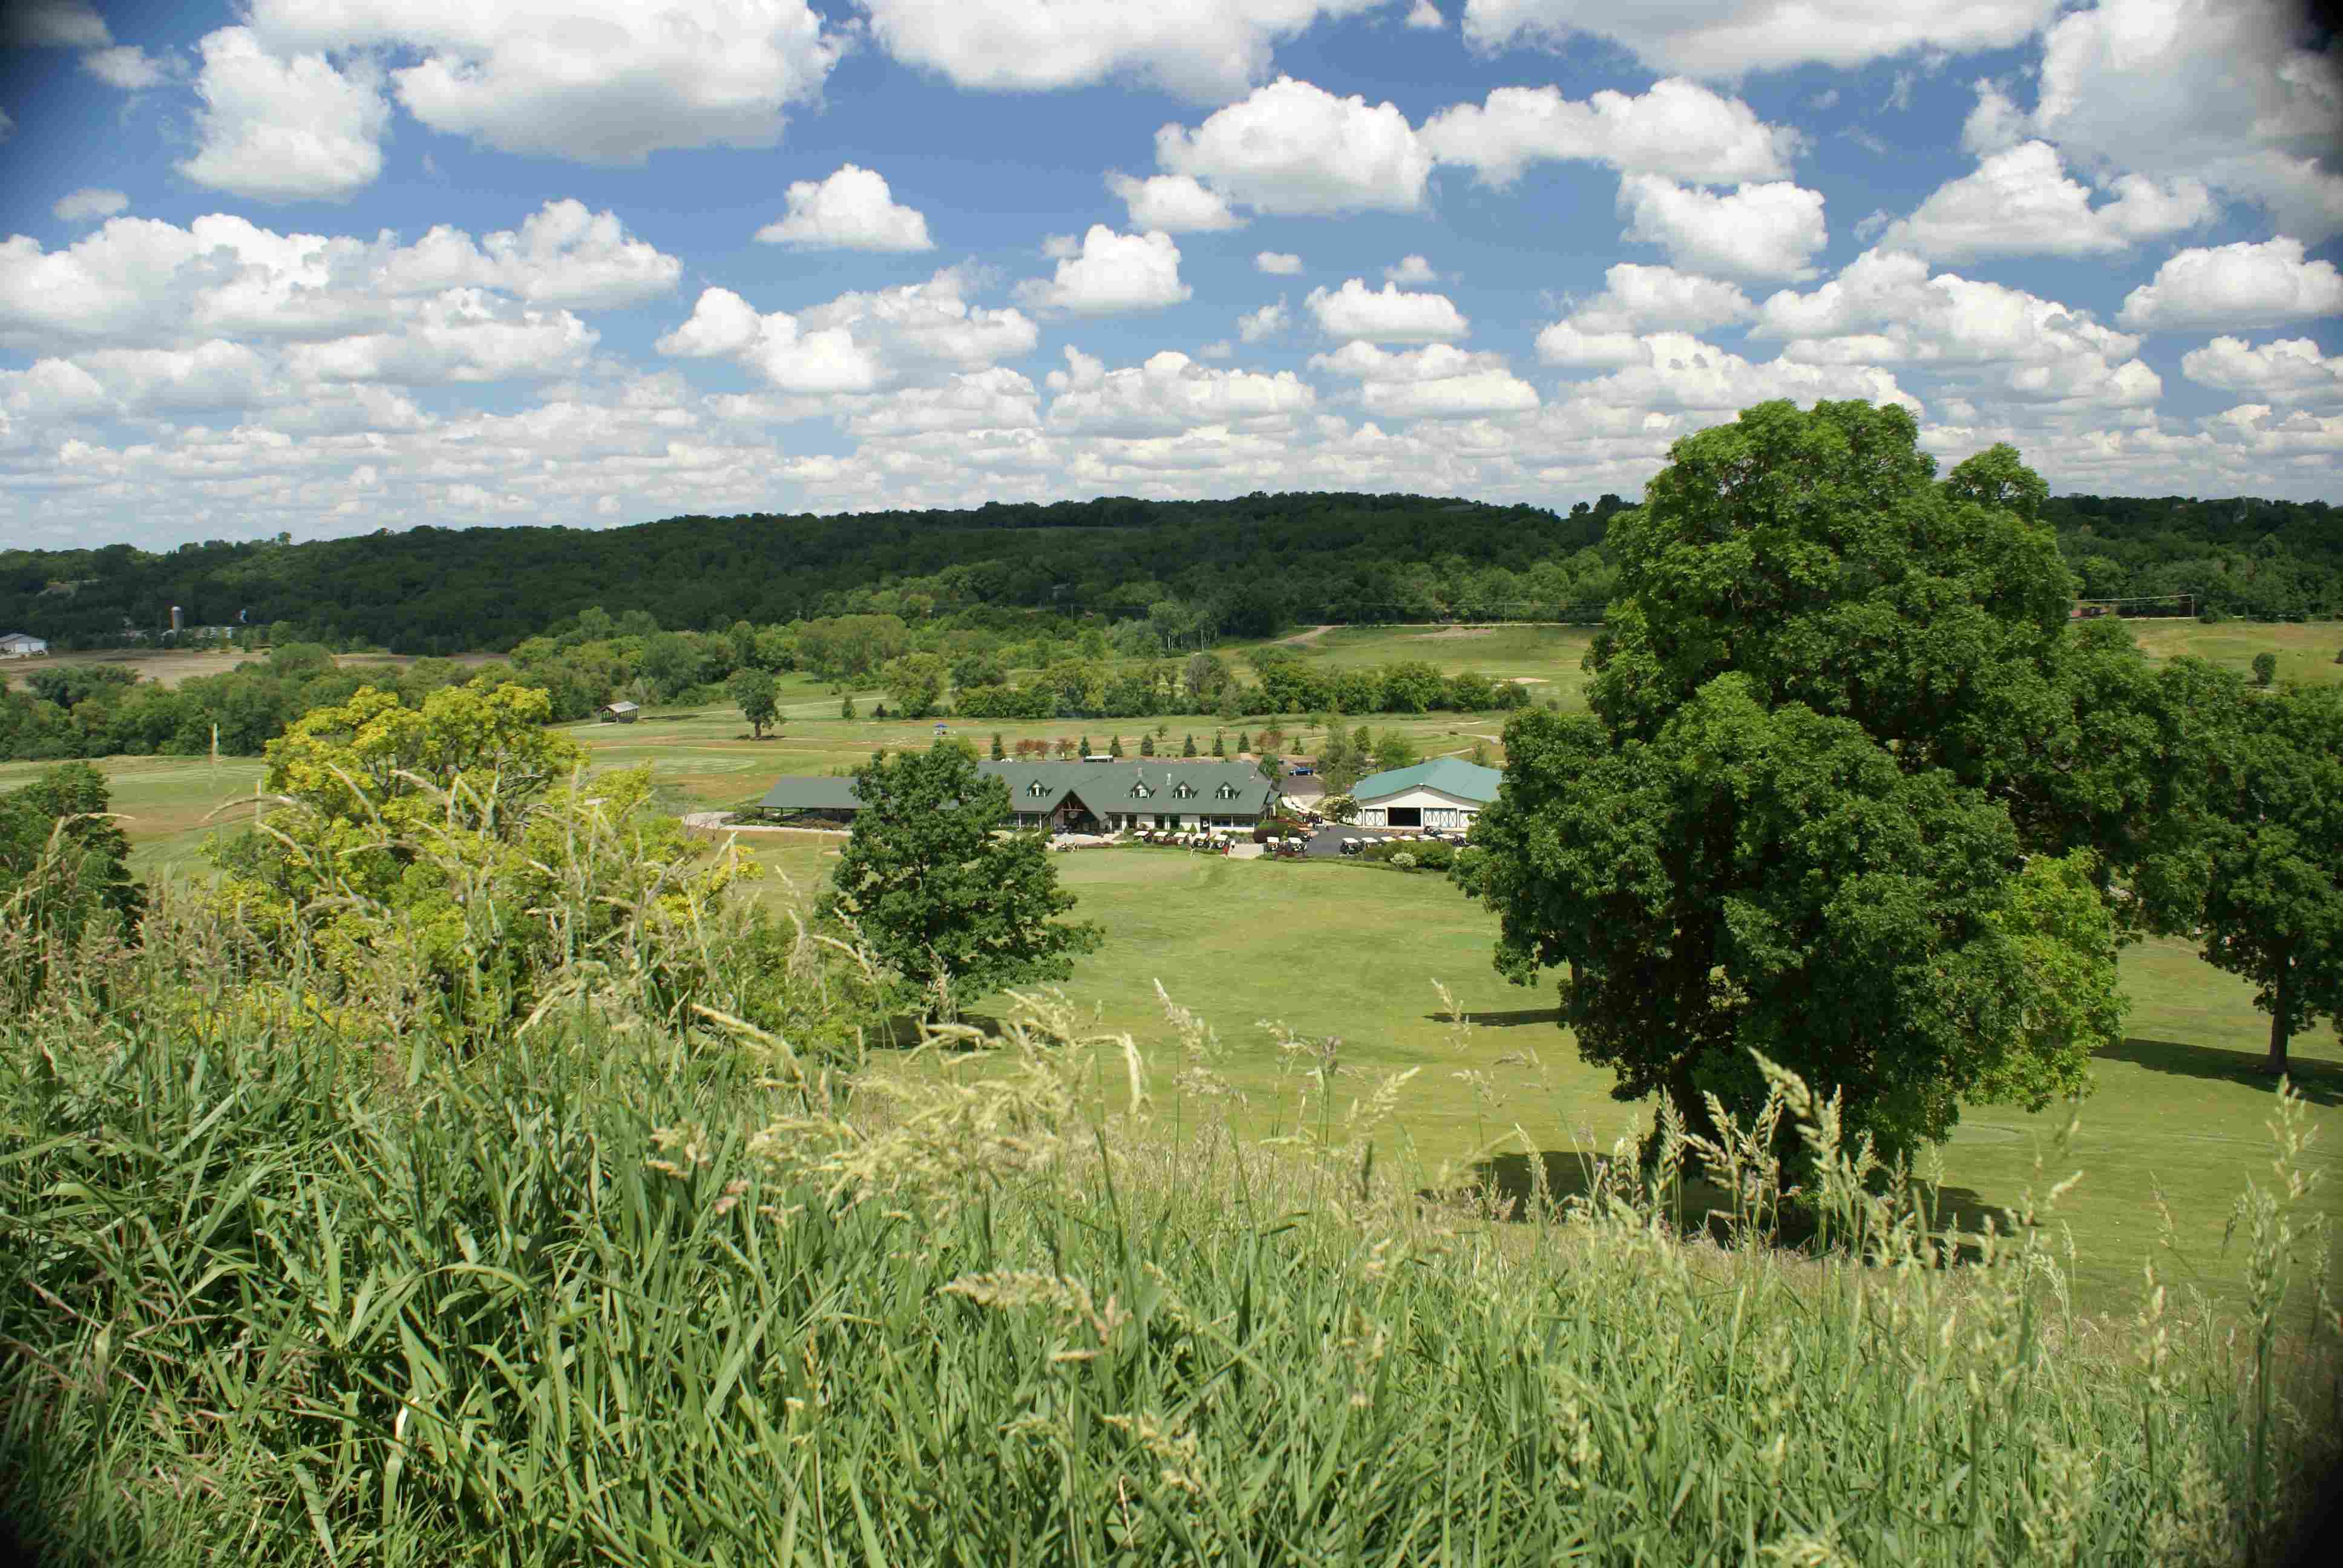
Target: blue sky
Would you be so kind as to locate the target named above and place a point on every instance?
(323, 267)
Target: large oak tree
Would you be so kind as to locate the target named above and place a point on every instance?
(1789, 825)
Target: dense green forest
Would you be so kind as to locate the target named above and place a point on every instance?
(1257, 562)
(1248, 567)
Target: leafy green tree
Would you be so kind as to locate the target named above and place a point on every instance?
(1396, 751)
(1769, 880)
(754, 692)
(64, 870)
(1244, 742)
(1085, 751)
(957, 907)
(1187, 746)
(1114, 746)
(1220, 745)
(846, 706)
(2265, 668)
(999, 754)
(916, 682)
(1791, 824)
(1146, 745)
(2273, 911)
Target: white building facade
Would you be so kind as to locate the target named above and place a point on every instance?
(22, 645)
(1445, 793)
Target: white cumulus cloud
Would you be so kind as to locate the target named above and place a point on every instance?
(1175, 204)
(1437, 381)
(851, 211)
(87, 203)
(2223, 92)
(1111, 273)
(1410, 269)
(1294, 147)
(1277, 263)
(2021, 202)
(1770, 230)
(1206, 50)
(601, 81)
(2236, 285)
(285, 129)
(1389, 314)
(125, 66)
(860, 342)
(1677, 128)
(1732, 37)
(1269, 320)
(2287, 370)
(1167, 394)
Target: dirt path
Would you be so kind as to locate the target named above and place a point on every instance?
(1303, 639)
(714, 823)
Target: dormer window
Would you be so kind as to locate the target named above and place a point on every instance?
(1037, 788)
(1226, 791)
(1183, 790)
(1139, 791)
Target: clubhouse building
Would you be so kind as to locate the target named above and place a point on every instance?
(1086, 797)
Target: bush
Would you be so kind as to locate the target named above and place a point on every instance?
(1270, 827)
(2265, 668)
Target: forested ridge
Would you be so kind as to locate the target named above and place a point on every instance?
(1258, 562)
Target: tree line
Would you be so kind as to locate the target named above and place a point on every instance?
(1175, 575)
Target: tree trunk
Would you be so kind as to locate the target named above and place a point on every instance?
(2279, 1028)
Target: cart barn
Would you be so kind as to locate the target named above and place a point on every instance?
(21, 645)
(1444, 792)
(620, 713)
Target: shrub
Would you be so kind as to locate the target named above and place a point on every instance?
(2265, 668)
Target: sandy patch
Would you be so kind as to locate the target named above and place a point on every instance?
(1451, 633)
(1530, 680)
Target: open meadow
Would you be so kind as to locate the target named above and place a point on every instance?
(1350, 950)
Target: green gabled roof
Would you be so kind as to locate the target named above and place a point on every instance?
(811, 795)
(1103, 787)
(1107, 786)
(1449, 775)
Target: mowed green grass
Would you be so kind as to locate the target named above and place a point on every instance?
(2306, 650)
(1343, 949)
(1546, 657)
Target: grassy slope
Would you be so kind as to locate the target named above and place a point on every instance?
(1343, 949)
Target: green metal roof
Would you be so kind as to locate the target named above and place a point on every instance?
(811, 795)
(1449, 775)
(1103, 787)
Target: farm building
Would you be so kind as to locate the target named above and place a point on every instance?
(620, 713)
(21, 645)
(1445, 792)
(1083, 796)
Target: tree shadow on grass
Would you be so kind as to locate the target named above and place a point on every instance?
(1504, 1017)
(2318, 1082)
(1701, 1205)
(900, 1031)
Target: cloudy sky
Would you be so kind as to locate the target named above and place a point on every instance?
(331, 265)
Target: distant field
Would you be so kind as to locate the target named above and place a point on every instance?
(1547, 658)
(2306, 650)
(173, 666)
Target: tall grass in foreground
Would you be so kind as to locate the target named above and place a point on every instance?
(620, 1290)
